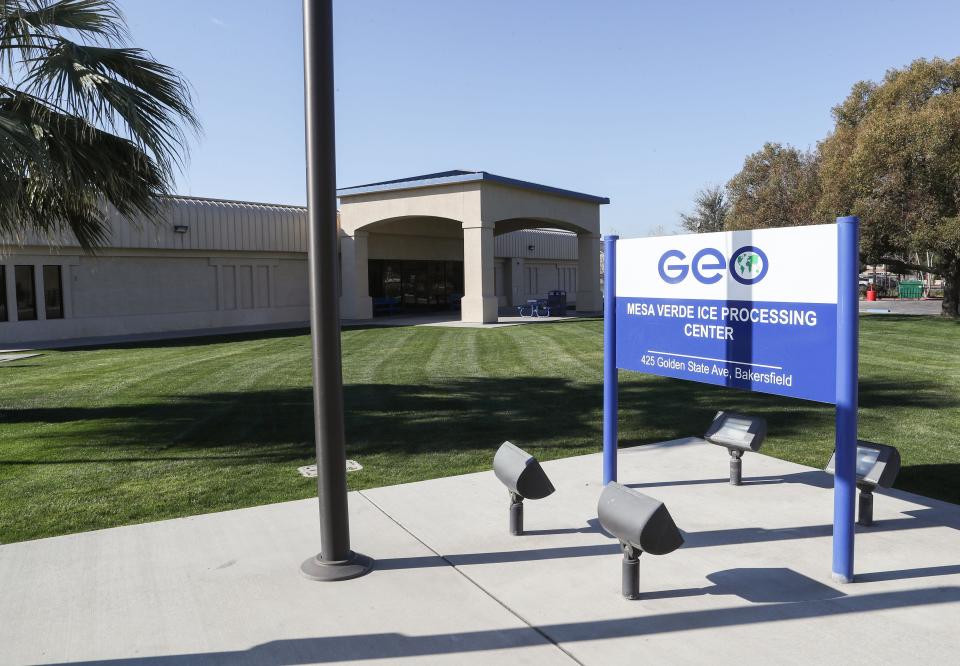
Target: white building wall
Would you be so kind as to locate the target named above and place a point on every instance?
(231, 264)
(122, 286)
(238, 264)
(123, 294)
(397, 246)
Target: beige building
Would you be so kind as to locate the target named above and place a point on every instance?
(454, 240)
(208, 264)
(457, 216)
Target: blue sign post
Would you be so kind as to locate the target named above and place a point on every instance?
(848, 325)
(610, 359)
(770, 310)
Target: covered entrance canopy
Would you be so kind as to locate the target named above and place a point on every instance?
(450, 217)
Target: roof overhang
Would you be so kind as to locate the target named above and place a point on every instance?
(454, 177)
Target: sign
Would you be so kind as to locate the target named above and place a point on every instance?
(772, 310)
(754, 310)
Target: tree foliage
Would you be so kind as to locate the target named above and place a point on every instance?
(778, 186)
(85, 120)
(894, 160)
(711, 208)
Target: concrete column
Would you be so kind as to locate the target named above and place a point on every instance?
(517, 291)
(479, 304)
(589, 298)
(355, 301)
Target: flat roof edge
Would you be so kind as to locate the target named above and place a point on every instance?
(549, 189)
(408, 185)
(465, 178)
(216, 200)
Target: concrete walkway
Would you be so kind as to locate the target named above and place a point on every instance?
(751, 584)
(898, 307)
(451, 320)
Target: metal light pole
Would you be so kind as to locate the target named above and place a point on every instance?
(336, 561)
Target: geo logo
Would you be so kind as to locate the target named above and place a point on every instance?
(747, 265)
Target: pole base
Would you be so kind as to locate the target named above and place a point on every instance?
(841, 578)
(516, 517)
(865, 508)
(736, 468)
(353, 567)
(630, 581)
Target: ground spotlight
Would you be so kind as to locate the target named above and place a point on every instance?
(877, 465)
(642, 524)
(738, 433)
(524, 478)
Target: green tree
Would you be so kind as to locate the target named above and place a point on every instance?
(709, 213)
(893, 158)
(778, 186)
(85, 120)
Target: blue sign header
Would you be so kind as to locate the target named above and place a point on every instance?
(752, 310)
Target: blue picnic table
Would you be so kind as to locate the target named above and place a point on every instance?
(535, 307)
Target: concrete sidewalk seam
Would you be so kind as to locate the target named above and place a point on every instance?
(480, 587)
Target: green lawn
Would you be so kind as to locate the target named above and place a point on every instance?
(102, 437)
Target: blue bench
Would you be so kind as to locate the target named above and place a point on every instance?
(386, 305)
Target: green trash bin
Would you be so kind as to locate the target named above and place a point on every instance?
(911, 289)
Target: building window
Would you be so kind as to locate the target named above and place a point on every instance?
(26, 294)
(416, 284)
(53, 291)
(3, 294)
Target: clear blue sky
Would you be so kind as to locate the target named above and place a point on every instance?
(643, 102)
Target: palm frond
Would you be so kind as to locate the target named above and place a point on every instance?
(85, 121)
(123, 89)
(61, 183)
(92, 18)
(27, 27)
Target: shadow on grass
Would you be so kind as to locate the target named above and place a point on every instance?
(550, 416)
(940, 481)
(194, 341)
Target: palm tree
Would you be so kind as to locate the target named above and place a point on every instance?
(86, 121)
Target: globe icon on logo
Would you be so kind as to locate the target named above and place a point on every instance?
(749, 265)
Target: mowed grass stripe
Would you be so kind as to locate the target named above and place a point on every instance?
(97, 438)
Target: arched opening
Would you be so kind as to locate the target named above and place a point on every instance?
(547, 256)
(414, 264)
(513, 224)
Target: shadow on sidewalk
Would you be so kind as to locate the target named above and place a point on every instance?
(360, 647)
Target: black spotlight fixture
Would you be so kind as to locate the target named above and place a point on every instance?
(641, 524)
(877, 465)
(524, 478)
(738, 433)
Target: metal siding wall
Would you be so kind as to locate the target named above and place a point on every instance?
(215, 225)
(212, 225)
(546, 244)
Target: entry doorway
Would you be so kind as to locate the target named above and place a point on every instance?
(410, 285)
